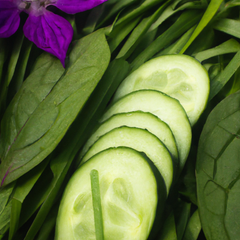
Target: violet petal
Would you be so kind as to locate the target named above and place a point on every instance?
(75, 6)
(9, 18)
(49, 32)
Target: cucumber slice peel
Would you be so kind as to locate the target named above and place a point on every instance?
(128, 212)
(166, 108)
(179, 76)
(137, 119)
(140, 140)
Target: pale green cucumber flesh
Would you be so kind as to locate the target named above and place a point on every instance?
(129, 198)
(179, 76)
(137, 119)
(140, 140)
(166, 108)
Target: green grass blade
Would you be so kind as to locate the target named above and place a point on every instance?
(139, 31)
(187, 20)
(219, 82)
(207, 17)
(97, 208)
(193, 228)
(229, 26)
(230, 46)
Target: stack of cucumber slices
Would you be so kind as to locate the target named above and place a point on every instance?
(139, 148)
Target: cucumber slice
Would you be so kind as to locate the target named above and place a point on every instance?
(137, 119)
(130, 201)
(179, 76)
(140, 140)
(166, 108)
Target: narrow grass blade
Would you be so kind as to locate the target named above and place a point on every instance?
(97, 208)
(229, 26)
(219, 82)
(207, 17)
(230, 46)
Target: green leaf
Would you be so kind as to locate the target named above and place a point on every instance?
(187, 20)
(193, 227)
(48, 225)
(230, 46)
(220, 80)
(97, 207)
(169, 229)
(36, 136)
(5, 207)
(218, 171)
(61, 163)
(112, 8)
(176, 47)
(21, 190)
(182, 214)
(139, 31)
(172, 9)
(119, 33)
(19, 73)
(10, 71)
(138, 11)
(207, 17)
(229, 26)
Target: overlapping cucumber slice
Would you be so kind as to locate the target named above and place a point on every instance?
(132, 196)
(166, 108)
(180, 76)
(152, 112)
(140, 140)
(138, 119)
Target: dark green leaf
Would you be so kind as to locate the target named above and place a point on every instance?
(218, 171)
(36, 135)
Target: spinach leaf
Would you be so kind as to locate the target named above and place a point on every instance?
(218, 171)
(33, 125)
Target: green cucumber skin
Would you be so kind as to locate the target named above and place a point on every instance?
(166, 108)
(135, 169)
(140, 140)
(158, 72)
(138, 119)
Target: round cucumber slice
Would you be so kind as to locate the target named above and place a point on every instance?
(179, 76)
(140, 140)
(166, 108)
(129, 198)
(137, 119)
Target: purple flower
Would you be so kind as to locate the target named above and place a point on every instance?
(48, 31)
